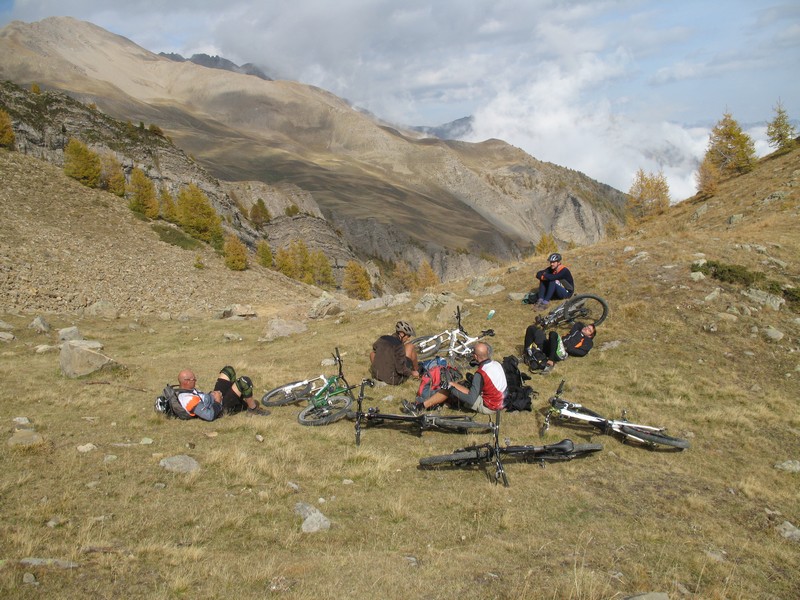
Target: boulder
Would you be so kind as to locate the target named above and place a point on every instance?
(77, 360)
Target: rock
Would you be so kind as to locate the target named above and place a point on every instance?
(516, 296)
(49, 562)
(29, 579)
(86, 448)
(69, 334)
(610, 345)
(7, 326)
(326, 305)
(280, 328)
(77, 360)
(649, 596)
(180, 464)
(6, 337)
(240, 311)
(45, 348)
(231, 337)
(385, 301)
(773, 334)
(481, 286)
(765, 298)
(40, 325)
(713, 295)
(735, 219)
(428, 301)
(701, 210)
(696, 276)
(313, 520)
(792, 466)
(25, 438)
(789, 531)
(102, 308)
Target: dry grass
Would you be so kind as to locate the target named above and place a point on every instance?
(699, 523)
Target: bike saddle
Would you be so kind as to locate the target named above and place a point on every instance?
(564, 446)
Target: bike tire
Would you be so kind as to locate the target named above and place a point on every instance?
(427, 346)
(456, 459)
(335, 409)
(461, 425)
(289, 393)
(653, 437)
(587, 308)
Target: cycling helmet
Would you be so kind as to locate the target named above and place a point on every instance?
(554, 257)
(404, 327)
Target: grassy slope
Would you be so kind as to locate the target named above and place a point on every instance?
(700, 523)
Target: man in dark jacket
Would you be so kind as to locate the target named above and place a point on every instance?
(393, 358)
(554, 282)
(542, 350)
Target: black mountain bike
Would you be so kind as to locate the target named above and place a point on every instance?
(372, 416)
(493, 452)
(586, 308)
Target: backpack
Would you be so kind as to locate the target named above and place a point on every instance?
(534, 357)
(518, 395)
(430, 380)
(168, 404)
(530, 298)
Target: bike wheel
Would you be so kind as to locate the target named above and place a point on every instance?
(428, 345)
(587, 308)
(456, 459)
(334, 409)
(291, 392)
(461, 425)
(653, 437)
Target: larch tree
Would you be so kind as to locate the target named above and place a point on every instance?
(197, 217)
(235, 253)
(112, 179)
(707, 177)
(264, 254)
(356, 281)
(81, 164)
(648, 196)
(7, 137)
(142, 194)
(780, 131)
(730, 149)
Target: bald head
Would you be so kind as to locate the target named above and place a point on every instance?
(186, 379)
(482, 351)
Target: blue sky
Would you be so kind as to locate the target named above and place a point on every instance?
(605, 86)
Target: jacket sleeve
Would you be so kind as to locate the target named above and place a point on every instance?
(474, 390)
(400, 363)
(207, 409)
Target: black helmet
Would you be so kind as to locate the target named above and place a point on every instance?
(554, 257)
(404, 327)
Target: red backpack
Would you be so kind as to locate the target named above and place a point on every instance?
(431, 378)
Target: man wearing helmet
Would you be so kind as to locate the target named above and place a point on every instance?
(554, 282)
(393, 358)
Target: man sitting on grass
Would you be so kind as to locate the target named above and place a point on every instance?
(485, 394)
(230, 396)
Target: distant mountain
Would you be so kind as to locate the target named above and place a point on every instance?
(217, 62)
(454, 130)
(391, 193)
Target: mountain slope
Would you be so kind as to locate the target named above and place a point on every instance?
(486, 197)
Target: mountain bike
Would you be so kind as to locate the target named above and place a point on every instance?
(492, 452)
(586, 308)
(425, 421)
(457, 343)
(570, 412)
(329, 398)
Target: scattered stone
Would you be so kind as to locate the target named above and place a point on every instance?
(313, 520)
(45, 348)
(701, 210)
(774, 196)
(347, 482)
(159, 486)
(280, 584)
(610, 345)
(277, 328)
(640, 257)
(516, 296)
(7, 337)
(21, 422)
(146, 441)
(481, 286)
(326, 306)
(735, 219)
(259, 438)
(792, 466)
(713, 295)
(718, 556)
(649, 596)
(180, 464)
(49, 562)
(428, 301)
(789, 531)
(412, 561)
(92, 484)
(328, 362)
(239, 311)
(40, 325)
(6, 326)
(29, 579)
(86, 448)
(293, 486)
(773, 334)
(55, 522)
(231, 337)
(211, 434)
(729, 317)
(778, 262)
(387, 301)
(77, 360)
(696, 276)
(108, 458)
(68, 334)
(627, 249)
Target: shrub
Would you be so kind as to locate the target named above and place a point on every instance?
(546, 245)
(264, 254)
(707, 177)
(426, 278)
(166, 206)
(259, 214)
(112, 179)
(174, 236)
(81, 164)
(235, 254)
(7, 137)
(292, 210)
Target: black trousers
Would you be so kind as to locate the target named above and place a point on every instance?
(546, 342)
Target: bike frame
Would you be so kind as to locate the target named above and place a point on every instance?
(331, 387)
(459, 342)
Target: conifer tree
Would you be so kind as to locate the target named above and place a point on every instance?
(404, 276)
(264, 254)
(730, 149)
(259, 214)
(166, 206)
(197, 217)
(7, 137)
(425, 276)
(356, 281)
(112, 179)
(649, 195)
(707, 177)
(546, 245)
(142, 194)
(321, 270)
(235, 254)
(284, 262)
(780, 131)
(81, 164)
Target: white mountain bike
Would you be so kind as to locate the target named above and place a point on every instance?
(456, 343)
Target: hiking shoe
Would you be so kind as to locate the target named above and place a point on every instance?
(257, 412)
(414, 409)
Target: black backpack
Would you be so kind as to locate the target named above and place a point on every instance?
(518, 395)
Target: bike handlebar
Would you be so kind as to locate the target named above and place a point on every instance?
(560, 387)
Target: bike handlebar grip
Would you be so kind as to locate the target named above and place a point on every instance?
(560, 387)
